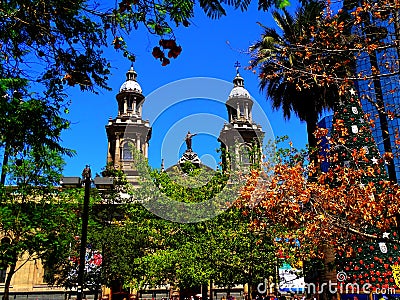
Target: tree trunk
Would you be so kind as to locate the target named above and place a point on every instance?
(383, 120)
(204, 291)
(4, 165)
(311, 121)
(8, 281)
(96, 293)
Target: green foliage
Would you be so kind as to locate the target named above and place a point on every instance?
(59, 35)
(31, 129)
(35, 225)
(278, 55)
(193, 185)
(143, 248)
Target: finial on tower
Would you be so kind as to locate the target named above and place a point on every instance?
(131, 74)
(237, 66)
(162, 165)
(238, 80)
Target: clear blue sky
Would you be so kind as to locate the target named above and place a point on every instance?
(210, 49)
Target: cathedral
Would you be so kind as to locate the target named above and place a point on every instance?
(240, 138)
(128, 129)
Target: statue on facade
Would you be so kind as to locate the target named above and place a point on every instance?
(188, 140)
(86, 173)
(189, 155)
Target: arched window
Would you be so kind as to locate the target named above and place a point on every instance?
(127, 151)
(245, 152)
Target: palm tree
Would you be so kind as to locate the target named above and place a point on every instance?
(281, 58)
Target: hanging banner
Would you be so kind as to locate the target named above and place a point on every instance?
(291, 280)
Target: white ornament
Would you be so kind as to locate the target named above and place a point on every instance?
(366, 149)
(354, 110)
(386, 235)
(374, 160)
(383, 247)
(352, 92)
(354, 129)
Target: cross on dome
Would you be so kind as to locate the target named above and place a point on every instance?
(237, 66)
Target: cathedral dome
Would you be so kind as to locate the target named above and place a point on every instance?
(238, 90)
(130, 85)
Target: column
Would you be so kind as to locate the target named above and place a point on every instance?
(246, 111)
(125, 105)
(134, 107)
(146, 150)
(117, 150)
(238, 110)
(138, 146)
(237, 154)
(109, 156)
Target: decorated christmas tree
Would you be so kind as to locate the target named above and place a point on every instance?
(366, 259)
(354, 146)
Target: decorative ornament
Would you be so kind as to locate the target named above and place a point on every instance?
(396, 274)
(354, 129)
(383, 247)
(361, 120)
(374, 160)
(366, 149)
(352, 92)
(354, 110)
(386, 235)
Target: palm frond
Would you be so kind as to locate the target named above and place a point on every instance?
(212, 8)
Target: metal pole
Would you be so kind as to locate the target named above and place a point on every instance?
(85, 217)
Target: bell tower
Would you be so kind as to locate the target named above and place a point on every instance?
(128, 130)
(241, 138)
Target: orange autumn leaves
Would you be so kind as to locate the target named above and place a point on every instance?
(316, 213)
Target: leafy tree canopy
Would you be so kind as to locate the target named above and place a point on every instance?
(145, 249)
(64, 41)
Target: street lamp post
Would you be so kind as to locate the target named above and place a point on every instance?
(86, 176)
(101, 183)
